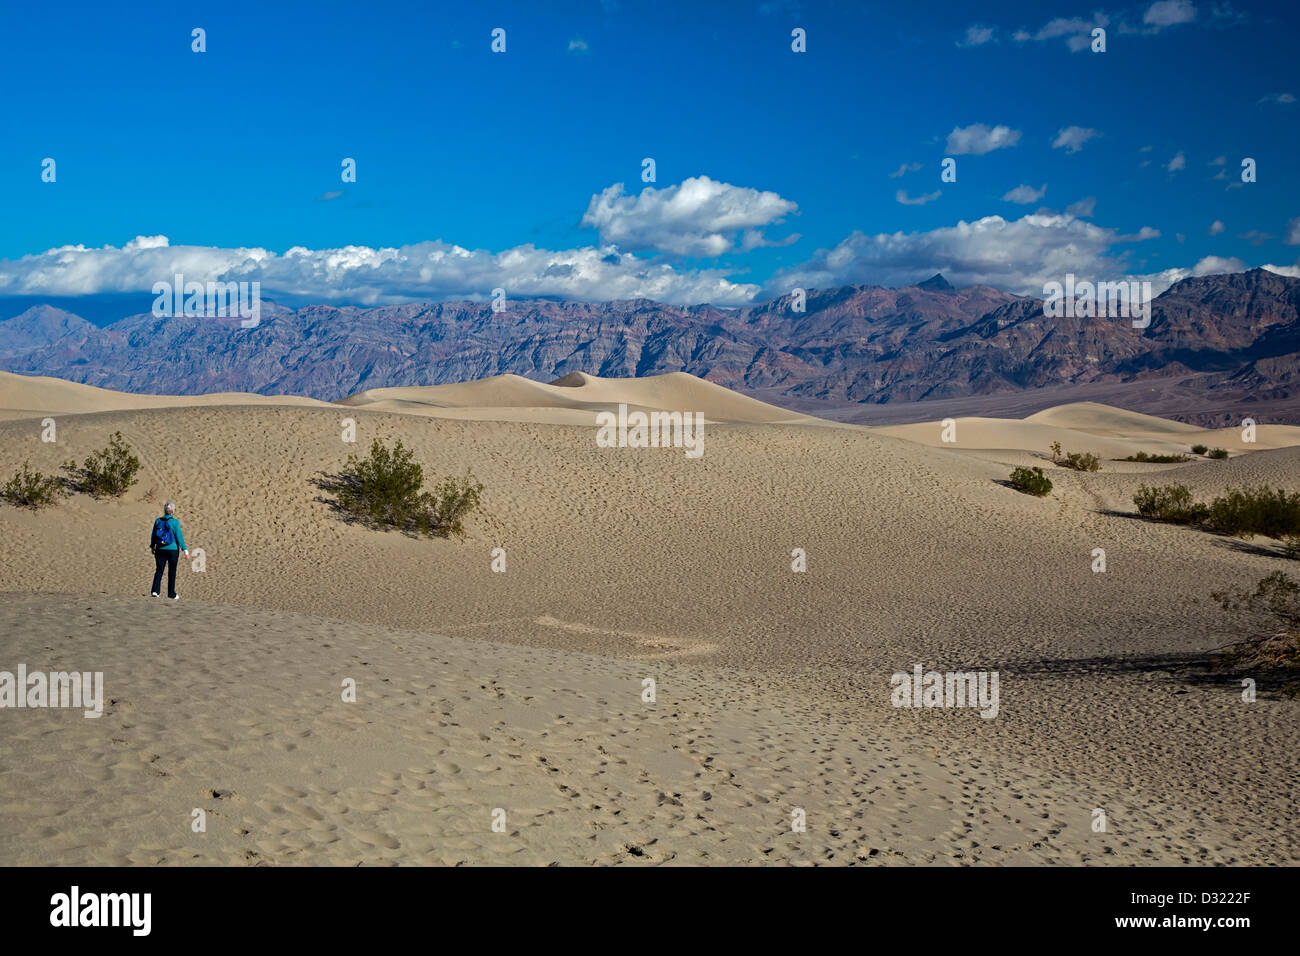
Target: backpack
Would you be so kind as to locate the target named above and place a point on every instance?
(162, 534)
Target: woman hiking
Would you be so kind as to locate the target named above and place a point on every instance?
(167, 544)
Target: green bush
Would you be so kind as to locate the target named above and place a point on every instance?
(1199, 449)
(1031, 481)
(1272, 613)
(31, 489)
(1081, 461)
(385, 489)
(1217, 453)
(451, 501)
(1272, 513)
(107, 473)
(1171, 503)
(1156, 459)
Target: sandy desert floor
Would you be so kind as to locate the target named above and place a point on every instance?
(522, 691)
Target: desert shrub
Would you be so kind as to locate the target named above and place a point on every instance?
(107, 473)
(1217, 453)
(1171, 503)
(1252, 511)
(1056, 451)
(1156, 459)
(1199, 449)
(1081, 461)
(1031, 481)
(385, 489)
(1272, 616)
(442, 510)
(31, 489)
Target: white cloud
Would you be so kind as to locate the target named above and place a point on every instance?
(701, 217)
(432, 270)
(1076, 31)
(578, 45)
(1216, 227)
(1025, 194)
(1072, 138)
(904, 169)
(1282, 98)
(901, 196)
(1082, 209)
(1168, 13)
(976, 36)
(1293, 271)
(1218, 265)
(1178, 163)
(979, 139)
(1293, 232)
(1018, 255)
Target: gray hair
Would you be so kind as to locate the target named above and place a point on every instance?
(169, 508)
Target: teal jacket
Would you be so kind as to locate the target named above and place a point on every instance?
(178, 539)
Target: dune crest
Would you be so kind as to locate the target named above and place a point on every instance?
(514, 398)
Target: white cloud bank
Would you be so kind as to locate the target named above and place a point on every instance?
(1018, 255)
(433, 270)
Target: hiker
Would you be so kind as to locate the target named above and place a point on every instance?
(167, 544)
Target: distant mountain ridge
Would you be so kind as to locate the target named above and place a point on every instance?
(1238, 334)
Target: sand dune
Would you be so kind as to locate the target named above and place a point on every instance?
(1090, 427)
(34, 395)
(627, 563)
(513, 398)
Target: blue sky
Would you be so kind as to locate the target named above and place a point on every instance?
(479, 169)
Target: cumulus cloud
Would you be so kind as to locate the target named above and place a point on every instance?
(1218, 265)
(578, 45)
(979, 139)
(700, 218)
(1216, 227)
(1293, 270)
(1178, 163)
(1025, 194)
(1018, 255)
(1072, 138)
(1293, 232)
(432, 270)
(901, 196)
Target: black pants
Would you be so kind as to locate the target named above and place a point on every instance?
(169, 558)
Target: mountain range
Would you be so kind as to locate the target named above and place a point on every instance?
(1217, 348)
